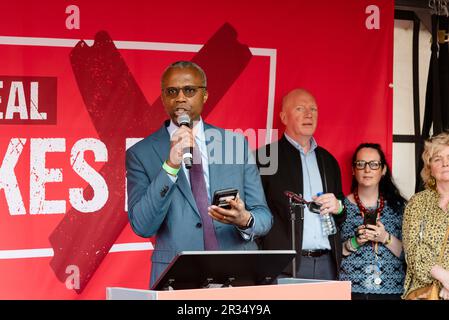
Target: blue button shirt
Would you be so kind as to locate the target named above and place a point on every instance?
(312, 236)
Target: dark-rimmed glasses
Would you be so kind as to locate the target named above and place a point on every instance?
(373, 164)
(188, 91)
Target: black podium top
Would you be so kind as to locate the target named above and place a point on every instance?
(198, 269)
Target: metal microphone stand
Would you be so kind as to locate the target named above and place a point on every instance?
(293, 222)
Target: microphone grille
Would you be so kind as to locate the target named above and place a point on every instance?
(184, 119)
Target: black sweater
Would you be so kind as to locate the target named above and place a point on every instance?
(289, 177)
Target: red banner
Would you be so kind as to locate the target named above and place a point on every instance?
(81, 83)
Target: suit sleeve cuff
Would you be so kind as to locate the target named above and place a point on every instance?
(248, 232)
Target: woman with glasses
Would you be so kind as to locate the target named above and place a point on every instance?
(426, 223)
(371, 234)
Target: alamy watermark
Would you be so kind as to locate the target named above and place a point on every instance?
(229, 147)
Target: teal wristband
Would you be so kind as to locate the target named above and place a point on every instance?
(340, 209)
(354, 243)
(171, 171)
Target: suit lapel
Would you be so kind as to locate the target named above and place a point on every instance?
(185, 189)
(162, 148)
(161, 144)
(214, 145)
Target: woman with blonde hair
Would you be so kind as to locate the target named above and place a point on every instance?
(426, 223)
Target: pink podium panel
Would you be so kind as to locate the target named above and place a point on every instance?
(319, 290)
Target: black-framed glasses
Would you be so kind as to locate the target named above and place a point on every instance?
(188, 91)
(373, 164)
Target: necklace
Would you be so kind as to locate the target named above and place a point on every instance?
(375, 268)
(363, 210)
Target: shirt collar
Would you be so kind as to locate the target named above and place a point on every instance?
(198, 130)
(313, 144)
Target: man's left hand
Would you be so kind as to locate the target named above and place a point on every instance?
(237, 215)
(329, 203)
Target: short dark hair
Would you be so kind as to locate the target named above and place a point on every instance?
(386, 185)
(186, 65)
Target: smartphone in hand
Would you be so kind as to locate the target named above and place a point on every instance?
(370, 218)
(221, 196)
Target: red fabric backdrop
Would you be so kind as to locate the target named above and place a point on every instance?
(110, 93)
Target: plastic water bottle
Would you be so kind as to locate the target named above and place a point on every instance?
(327, 222)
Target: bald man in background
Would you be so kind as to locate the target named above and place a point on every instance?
(309, 170)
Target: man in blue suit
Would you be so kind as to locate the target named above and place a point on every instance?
(172, 202)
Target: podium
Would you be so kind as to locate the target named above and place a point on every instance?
(199, 269)
(233, 275)
(288, 289)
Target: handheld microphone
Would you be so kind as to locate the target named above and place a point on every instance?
(187, 153)
(298, 198)
(312, 205)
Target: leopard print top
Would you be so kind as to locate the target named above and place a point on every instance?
(423, 231)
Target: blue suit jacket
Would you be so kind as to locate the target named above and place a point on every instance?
(157, 206)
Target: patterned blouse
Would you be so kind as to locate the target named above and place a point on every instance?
(361, 267)
(425, 225)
